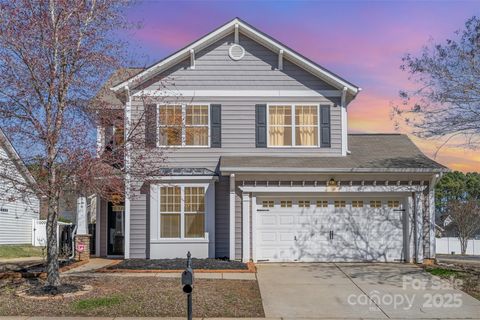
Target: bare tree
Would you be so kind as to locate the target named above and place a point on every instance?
(446, 103)
(54, 55)
(465, 217)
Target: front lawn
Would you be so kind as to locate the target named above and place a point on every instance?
(10, 251)
(115, 296)
(469, 278)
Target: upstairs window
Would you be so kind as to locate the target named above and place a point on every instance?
(292, 125)
(184, 125)
(280, 126)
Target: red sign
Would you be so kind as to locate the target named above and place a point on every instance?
(80, 247)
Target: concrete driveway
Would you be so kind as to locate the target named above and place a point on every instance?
(360, 291)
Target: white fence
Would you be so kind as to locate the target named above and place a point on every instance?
(39, 232)
(449, 245)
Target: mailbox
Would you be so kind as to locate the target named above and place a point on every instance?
(187, 280)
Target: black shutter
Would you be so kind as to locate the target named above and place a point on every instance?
(151, 126)
(216, 126)
(261, 125)
(325, 126)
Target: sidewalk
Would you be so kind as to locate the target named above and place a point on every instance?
(17, 260)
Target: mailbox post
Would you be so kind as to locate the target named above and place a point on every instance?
(187, 283)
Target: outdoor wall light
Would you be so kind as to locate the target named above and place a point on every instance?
(332, 182)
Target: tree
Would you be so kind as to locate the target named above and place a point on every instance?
(54, 55)
(465, 217)
(446, 104)
(456, 186)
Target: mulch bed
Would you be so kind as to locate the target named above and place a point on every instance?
(178, 264)
(113, 296)
(34, 270)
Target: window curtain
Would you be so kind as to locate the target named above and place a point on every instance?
(196, 126)
(306, 126)
(280, 125)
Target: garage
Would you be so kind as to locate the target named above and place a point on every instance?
(296, 228)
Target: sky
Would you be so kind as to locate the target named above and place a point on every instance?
(362, 41)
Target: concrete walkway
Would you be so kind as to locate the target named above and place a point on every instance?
(360, 291)
(94, 264)
(120, 318)
(23, 259)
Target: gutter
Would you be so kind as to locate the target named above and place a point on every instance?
(226, 170)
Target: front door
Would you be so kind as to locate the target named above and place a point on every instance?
(115, 229)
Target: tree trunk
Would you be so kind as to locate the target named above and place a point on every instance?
(53, 275)
(463, 245)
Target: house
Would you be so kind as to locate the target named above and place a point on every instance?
(259, 164)
(18, 204)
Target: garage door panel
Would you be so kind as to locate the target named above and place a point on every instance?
(305, 234)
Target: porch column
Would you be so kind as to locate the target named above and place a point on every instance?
(245, 226)
(232, 217)
(82, 238)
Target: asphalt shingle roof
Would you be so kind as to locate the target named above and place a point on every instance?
(369, 153)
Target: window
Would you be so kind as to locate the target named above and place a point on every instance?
(357, 203)
(170, 125)
(393, 203)
(303, 131)
(304, 203)
(268, 203)
(286, 203)
(194, 212)
(182, 202)
(196, 126)
(376, 204)
(339, 204)
(306, 126)
(322, 203)
(170, 212)
(184, 125)
(280, 125)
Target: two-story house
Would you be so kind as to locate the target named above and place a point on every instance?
(258, 163)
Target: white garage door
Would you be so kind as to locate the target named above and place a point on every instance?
(316, 229)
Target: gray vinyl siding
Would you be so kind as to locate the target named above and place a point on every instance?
(238, 223)
(16, 224)
(222, 217)
(138, 224)
(214, 70)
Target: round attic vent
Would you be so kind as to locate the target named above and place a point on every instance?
(236, 52)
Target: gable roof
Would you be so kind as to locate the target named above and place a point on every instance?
(15, 157)
(369, 153)
(106, 97)
(254, 34)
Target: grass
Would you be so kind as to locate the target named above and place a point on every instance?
(148, 296)
(443, 273)
(93, 303)
(9, 251)
(469, 279)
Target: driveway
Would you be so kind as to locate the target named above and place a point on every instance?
(359, 291)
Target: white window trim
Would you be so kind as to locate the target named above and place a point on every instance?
(182, 213)
(293, 110)
(184, 126)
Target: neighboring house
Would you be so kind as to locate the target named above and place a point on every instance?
(17, 207)
(259, 165)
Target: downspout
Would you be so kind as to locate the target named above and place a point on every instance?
(128, 110)
(343, 103)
